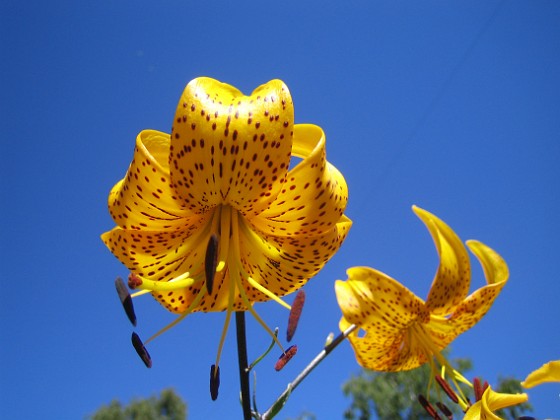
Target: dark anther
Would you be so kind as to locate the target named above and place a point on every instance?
(211, 262)
(126, 300)
(428, 407)
(445, 410)
(285, 357)
(134, 281)
(295, 314)
(447, 389)
(477, 389)
(214, 382)
(141, 350)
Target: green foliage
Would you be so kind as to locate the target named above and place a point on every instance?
(394, 395)
(169, 406)
(388, 395)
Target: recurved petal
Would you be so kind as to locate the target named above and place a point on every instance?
(549, 372)
(385, 309)
(474, 307)
(228, 148)
(492, 401)
(144, 200)
(314, 195)
(285, 264)
(452, 280)
(162, 256)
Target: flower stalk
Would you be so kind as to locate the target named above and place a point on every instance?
(243, 364)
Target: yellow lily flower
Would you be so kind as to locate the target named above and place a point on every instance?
(492, 401)
(220, 188)
(549, 372)
(402, 331)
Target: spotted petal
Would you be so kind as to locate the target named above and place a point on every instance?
(144, 199)
(385, 309)
(315, 194)
(474, 307)
(285, 264)
(228, 148)
(493, 401)
(452, 280)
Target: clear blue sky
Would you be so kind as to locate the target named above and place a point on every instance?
(453, 106)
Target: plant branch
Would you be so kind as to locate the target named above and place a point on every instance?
(280, 401)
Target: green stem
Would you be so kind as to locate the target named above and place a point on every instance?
(273, 410)
(242, 359)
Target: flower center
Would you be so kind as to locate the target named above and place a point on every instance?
(223, 235)
(439, 363)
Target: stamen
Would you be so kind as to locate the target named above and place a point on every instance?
(285, 358)
(477, 385)
(445, 410)
(447, 389)
(295, 314)
(428, 407)
(229, 310)
(214, 382)
(431, 350)
(267, 292)
(211, 261)
(126, 300)
(194, 303)
(141, 350)
(234, 271)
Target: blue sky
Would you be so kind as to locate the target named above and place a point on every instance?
(453, 106)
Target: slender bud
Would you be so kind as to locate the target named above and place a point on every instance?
(214, 382)
(428, 407)
(447, 389)
(126, 300)
(211, 262)
(295, 314)
(141, 350)
(285, 357)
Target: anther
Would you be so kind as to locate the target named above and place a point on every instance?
(211, 262)
(126, 300)
(214, 382)
(141, 350)
(285, 357)
(445, 410)
(428, 407)
(447, 389)
(477, 389)
(295, 314)
(134, 281)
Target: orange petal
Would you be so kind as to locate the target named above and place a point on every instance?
(549, 372)
(228, 148)
(452, 280)
(474, 307)
(315, 194)
(283, 265)
(144, 199)
(385, 309)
